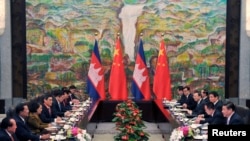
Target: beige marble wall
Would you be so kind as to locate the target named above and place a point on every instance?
(244, 62)
(5, 58)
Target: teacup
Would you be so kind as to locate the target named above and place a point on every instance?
(66, 126)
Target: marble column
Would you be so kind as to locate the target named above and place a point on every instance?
(244, 75)
(5, 56)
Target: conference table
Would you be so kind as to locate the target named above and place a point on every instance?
(152, 111)
(74, 126)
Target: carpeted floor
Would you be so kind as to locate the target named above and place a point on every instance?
(109, 137)
(105, 131)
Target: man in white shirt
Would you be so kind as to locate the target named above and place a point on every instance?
(204, 95)
(23, 132)
(8, 129)
(199, 109)
(214, 98)
(228, 111)
(214, 115)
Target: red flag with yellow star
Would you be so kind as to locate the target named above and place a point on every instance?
(117, 80)
(162, 80)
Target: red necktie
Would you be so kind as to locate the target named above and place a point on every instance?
(49, 111)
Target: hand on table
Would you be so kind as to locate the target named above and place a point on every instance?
(75, 101)
(201, 116)
(198, 120)
(190, 112)
(67, 114)
(58, 118)
(184, 105)
(45, 136)
(174, 100)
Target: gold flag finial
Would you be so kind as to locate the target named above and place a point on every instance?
(141, 35)
(162, 36)
(96, 36)
(118, 35)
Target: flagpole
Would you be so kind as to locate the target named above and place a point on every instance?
(118, 35)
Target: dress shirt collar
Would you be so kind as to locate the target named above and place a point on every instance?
(199, 101)
(48, 107)
(228, 118)
(216, 102)
(204, 97)
(8, 132)
(213, 113)
(22, 119)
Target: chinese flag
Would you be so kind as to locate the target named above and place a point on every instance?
(95, 82)
(117, 80)
(162, 84)
(140, 84)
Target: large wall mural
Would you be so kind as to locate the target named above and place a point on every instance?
(61, 33)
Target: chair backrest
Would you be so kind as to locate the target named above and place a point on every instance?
(244, 112)
(10, 112)
(2, 105)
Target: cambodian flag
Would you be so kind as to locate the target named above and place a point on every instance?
(140, 84)
(95, 82)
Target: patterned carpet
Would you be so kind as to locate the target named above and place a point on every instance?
(105, 131)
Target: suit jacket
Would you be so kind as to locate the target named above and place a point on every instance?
(35, 123)
(182, 99)
(218, 105)
(45, 116)
(66, 106)
(236, 119)
(199, 109)
(217, 118)
(4, 136)
(191, 104)
(23, 132)
(58, 110)
(206, 100)
(71, 97)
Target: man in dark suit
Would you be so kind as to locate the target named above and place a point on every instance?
(199, 109)
(23, 132)
(66, 105)
(72, 98)
(232, 118)
(57, 103)
(181, 97)
(189, 102)
(8, 129)
(48, 114)
(204, 95)
(214, 98)
(214, 115)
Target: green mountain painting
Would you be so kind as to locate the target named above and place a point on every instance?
(61, 34)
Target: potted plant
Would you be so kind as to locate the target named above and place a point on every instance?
(128, 122)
